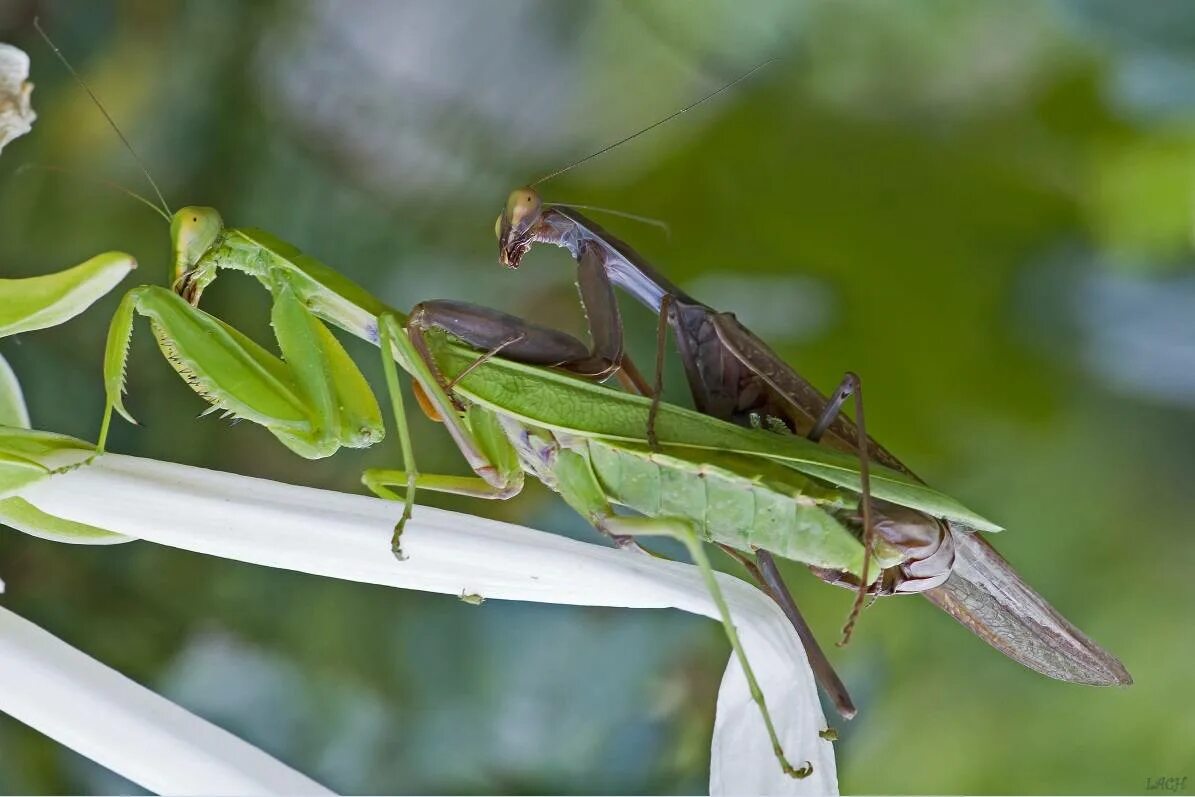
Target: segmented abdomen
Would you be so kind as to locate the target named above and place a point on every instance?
(743, 502)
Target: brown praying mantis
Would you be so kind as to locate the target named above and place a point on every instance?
(733, 375)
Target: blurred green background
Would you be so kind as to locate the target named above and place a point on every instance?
(985, 210)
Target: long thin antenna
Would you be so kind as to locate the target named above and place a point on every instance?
(83, 85)
(662, 225)
(654, 125)
(115, 186)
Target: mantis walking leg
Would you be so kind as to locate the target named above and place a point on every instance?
(498, 476)
(487, 450)
(851, 385)
(657, 392)
(767, 575)
(313, 399)
(683, 531)
(580, 487)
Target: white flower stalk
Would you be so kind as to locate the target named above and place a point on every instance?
(16, 113)
(348, 537)
(103, 715)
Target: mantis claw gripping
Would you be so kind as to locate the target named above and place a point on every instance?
(396, 543)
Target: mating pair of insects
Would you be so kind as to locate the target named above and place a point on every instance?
(766, 466)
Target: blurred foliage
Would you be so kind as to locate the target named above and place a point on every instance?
(983, 209)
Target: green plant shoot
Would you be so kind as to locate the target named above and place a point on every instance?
(27, 456)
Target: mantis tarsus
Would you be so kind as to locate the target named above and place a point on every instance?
(736, 376)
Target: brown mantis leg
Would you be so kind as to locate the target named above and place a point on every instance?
(657, 392)
(851, 386)
(607, 355)
(631, 378)
(766, 574)
(597, 296)
(493, 332)
(822, 669)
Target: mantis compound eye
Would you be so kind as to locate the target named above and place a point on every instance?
(516, 225)
(193, 231)
(523, 209)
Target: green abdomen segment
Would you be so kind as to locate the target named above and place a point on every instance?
(744, 502)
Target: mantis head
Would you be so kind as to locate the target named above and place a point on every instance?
(193, 232)
(517, 226)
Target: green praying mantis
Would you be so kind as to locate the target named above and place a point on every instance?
(511, 416)
(704, 480)
(493, 381)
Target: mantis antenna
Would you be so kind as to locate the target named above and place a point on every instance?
(97, 180)
(655, 124)
(662, 225)
(83, 85)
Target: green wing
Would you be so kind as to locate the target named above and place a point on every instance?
(563, 403)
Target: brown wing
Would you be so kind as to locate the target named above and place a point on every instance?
(986, 595)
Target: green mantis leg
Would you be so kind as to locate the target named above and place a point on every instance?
(580, 488)
(380, 481)
(313, 399)
(489, 455)
(683, 530)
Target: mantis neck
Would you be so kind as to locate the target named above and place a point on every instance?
(567, 228)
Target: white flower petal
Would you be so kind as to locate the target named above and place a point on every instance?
(103, 715)
(348, 537)
(16, 114)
